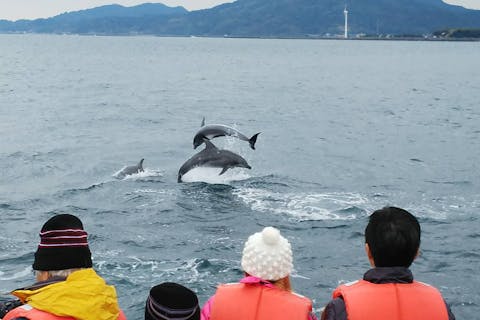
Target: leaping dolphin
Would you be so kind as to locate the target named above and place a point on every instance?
(211, 131)
(130, 170)
(213, 157)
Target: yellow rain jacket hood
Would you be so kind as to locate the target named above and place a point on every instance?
(83, 295)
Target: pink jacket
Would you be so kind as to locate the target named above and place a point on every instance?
(207, 307)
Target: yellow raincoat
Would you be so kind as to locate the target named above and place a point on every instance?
(83, 295)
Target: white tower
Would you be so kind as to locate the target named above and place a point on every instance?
(345, 12)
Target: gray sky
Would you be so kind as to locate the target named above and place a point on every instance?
(32, 9)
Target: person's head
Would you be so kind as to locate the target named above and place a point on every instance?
(63, 248)
(267, 255)
(392, 238)
(170, 301)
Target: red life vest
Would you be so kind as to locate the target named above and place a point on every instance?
(29, 312)
(240, 301)
(393, 301)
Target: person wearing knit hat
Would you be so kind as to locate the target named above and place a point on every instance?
(63, 245)
(171, 301)
(265, 292)
(67, 287)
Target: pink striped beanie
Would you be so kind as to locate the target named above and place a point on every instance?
(63, 245)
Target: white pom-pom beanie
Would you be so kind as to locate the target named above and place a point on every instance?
(267, 255)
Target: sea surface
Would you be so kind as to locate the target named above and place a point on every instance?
(347, 127)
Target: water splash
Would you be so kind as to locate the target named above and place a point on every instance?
(305, 206)
(146, 174)
(211, 175)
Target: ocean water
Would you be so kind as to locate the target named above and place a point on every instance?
(347, 127)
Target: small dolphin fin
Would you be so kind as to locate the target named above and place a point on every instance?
(209, 144)
(223, 171)
(140, 165)
(203, 122)
(252, 140)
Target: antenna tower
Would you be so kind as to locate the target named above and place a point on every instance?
(345, 12)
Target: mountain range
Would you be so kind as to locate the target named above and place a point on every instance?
(260, 18)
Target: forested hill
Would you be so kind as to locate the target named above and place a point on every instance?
(261, 18)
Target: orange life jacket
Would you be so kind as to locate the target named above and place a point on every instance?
(240, 301)
(29, 312)
(393, 301)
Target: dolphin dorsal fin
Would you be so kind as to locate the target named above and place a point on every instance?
(203, 122)
(209, 145)
(140, 164)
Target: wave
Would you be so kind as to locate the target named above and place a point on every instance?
(18, 274)
(37, 156)
(305, 206)
(461, 182)
(7, 206)
(89, 188)
(189, 271)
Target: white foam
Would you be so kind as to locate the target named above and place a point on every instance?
(118, 174)
(158, 191)
(147, 268)
(211, 175)
(147, 173)
(303, 206)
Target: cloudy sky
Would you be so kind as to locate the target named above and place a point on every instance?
(32, 9)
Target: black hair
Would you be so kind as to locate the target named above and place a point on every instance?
(393, 235)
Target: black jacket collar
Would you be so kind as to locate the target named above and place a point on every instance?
(389, 275)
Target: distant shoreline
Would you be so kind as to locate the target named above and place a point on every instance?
(367, 38)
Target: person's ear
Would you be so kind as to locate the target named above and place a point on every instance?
(369, 255)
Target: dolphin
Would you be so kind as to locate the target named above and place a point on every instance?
(130, 170)
(211, 131)
(213, 157)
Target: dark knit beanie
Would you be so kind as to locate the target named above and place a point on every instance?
(63, 245)
(168, 301)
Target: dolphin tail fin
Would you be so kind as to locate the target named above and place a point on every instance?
(223, 171)
(252, 140)
(203, 122)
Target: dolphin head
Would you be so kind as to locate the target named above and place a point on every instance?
(198, 140)
(242, 163)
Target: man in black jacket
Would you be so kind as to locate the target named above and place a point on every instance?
(388, 291)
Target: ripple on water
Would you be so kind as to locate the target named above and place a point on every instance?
(15, 273)
(456, 183)
(72, 192)
(16, 267)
